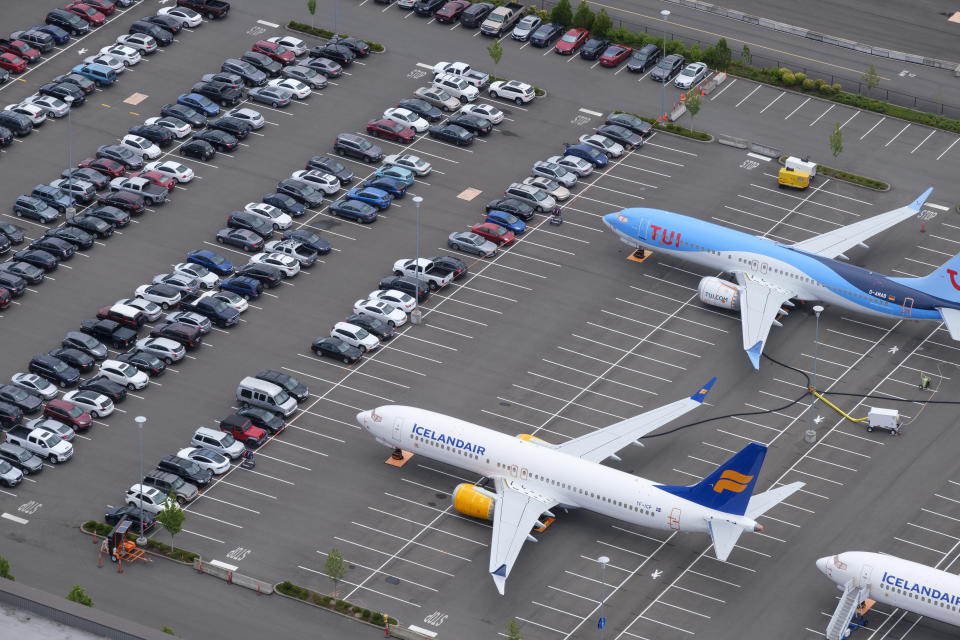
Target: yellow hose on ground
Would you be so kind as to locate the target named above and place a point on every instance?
(839, 410)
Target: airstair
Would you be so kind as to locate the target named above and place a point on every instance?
(839, 626)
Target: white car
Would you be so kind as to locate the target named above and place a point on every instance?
(208, 279)
(124, 374)
(380, 310)
(355, 336)
(319, 180)
(269, 213)
(140, 41)
(233, 300)
(96, 404)
(141, 146)
(161, 294)
(181, 173)
(54, 107)
(409, 161)
(456, 86)
(406, 4)
(191, 318)
(176, 126)
(603, 143)
(399, 299)
(297, 250)
(108, 61)
(36, 115)
(484, 110)
(164, 348)
(35, 384)
(150, 310)
(251, 117)
(186, 17)
(296, 45)
(153, 500)
(127, 55)
(296, 88)
(407, 117)
(552, 187)
(206, 458)
(572, 163)
(691, 75)
(519, 92)
(287, 265)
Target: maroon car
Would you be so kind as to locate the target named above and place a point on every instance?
(68, 413)
(132, 203)
(493, 232)
(614, 55)
(391, 130)
(451, 11)
(275, 51)
(86, 12)
(20, 48)
(105, 166)
(106, 7)
(571, 41)
(4, 298)
(187, 335)
(12, 62)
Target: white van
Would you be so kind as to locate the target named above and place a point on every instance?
(219, 441)
(254, 392)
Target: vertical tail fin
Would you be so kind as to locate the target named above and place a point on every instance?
(944, 282)
(728, 489)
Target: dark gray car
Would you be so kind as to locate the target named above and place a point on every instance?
(348, 144)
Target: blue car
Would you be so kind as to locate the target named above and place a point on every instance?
(244, 286)
(397, 173)
(285, 203)
(212, 261)
(203, 104)
(377, 197)
(507, 220)
(59, 35)
(592, 155)
(395, 188)
(354, 209)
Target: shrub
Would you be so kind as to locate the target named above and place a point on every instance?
(5, 569)
(78, 595)
(167, 630)
(289, 589)
(694, 55)
(800, 76)
(356, 609)
(819, 84)
(788, 79)
(808, 84)
(341, 605)
(391, 620)
(836, 87)
(366, 614)
(531, 10)
(377, 618)
(784, 71)
(326, 600)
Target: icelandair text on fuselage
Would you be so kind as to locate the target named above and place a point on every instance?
(913, 587)
(450, 440)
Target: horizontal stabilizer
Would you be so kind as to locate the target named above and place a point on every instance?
(762, 502)
(724, 535)
(951, 318)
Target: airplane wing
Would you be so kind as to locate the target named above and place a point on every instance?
(605, 443)
(833, 243)
(760, 304)
(515, 514)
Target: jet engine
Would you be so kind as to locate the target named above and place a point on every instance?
(471, 500)
(719, 293)
(534, 439)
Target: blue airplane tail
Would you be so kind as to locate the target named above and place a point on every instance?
(944, 282)
(729, 488)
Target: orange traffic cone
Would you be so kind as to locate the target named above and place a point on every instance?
(683, 97)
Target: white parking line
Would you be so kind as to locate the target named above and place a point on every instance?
(873, 127)
(783, 93)
(829, 109)
(897, 136)
(932, 131)
(757, 88)
(795, 110)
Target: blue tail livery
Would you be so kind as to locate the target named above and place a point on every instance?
(729, 487)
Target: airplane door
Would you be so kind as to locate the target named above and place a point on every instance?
(674, 519)
(397, 429)
(907, 309)
(642, 229)
(865, 573)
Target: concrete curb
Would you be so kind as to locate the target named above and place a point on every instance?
(819, 37)
(286, 27)
(329, 610)
(261, 587)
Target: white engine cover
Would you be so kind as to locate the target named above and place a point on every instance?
(719, 293)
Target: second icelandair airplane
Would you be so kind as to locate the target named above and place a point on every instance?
(531, 476)
(769, 274)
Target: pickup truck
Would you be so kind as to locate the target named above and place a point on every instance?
(220, 92)
(435, 276)
(219, 312)
(212, 9)
(152, 193)
(479, 79)
(109, 332)
(502, 19)
(43, 443)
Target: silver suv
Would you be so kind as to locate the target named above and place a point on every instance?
(533, 196)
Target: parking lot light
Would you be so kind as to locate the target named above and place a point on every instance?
(415, 316)
(71, 210)
(140, 420)
(602, 622)
(663, 83)
(811, 435)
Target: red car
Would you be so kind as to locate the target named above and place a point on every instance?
(187, 335)
(156, 178)
(391, 130)
(493, 232)
(451, 11)
(86, 12)
(13, 63)
(275, 51)
(106, 7)
(105, 166)
(4, 298)
(68, 413)
(571, 41)
(614, 55)
(20, 48)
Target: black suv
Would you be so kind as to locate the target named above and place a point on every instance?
(476, 13)
(407, 285)
(353, 145)
(109, 332)
(55, 370)
(268, 65)
(129, 512)
(220, 92)
(189, 470)
(10, 415)
(246, 220)
(63, 90)
(161, 136)
(69, 22)
(644, 57)
(332, 166)
(250, 74)
(17, 123)
(288, 383)
(166, 482)
(512, 206)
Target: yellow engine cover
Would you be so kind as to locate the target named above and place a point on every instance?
(534, 439)
(473, 501)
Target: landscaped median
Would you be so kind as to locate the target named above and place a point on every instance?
(293, 25)
(845, 176)
(676, 129)
(102, 530)
(342, 607)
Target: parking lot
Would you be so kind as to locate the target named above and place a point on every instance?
(555, 336)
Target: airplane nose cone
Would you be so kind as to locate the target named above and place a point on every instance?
(609, 220)
(822, 565)
(362, 418)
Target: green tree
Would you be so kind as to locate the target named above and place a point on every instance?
(312, 8)
(871, 79)
(334, 568)
(171, 518)
(583, 18)
(695, 54)
(724, 55)
(746, 56)
(513, 631)
(562, 13)
(5, 569)
(836, 140)
(78, 595)
(601, 24)
(496, 51)
(693, 105)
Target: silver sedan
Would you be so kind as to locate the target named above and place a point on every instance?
(471, 243)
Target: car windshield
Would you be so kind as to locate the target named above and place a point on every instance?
(569, 37)
(511, 219)
(213, 456)
(191, 467)
(217, 259)
(75, 412)
(176, 484)
(24, 455)
(280, 49)
(5, 467)
(362, 334)
(666, 65)
(227, 441)
(688, 72)
(60, 366)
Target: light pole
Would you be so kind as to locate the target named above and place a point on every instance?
(71, 210)
(665, 14)
(602, 622)
(415, 315)
(811, 436)
(140, 420)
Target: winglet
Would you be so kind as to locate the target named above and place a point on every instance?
(917, 204)
(701, 395)
(500, 578)
(754, 354)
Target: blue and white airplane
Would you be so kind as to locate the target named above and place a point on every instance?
(769, 274)
(531, 476)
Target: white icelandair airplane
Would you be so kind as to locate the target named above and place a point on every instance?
(531, 477)
(769, 274)
(890, 580)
